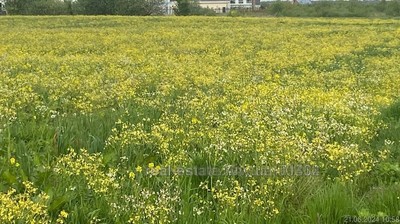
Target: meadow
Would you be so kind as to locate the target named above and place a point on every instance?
(114, 119)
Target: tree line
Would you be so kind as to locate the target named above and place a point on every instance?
(352, 8)
(85, 7)
(103, 7)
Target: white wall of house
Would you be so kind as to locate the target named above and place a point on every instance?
(217, 6)
(244, 4)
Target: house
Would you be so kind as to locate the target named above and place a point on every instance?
(219, 6)
(245, 4)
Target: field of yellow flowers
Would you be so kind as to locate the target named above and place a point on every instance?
(199, 120)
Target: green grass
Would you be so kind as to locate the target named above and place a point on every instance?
(188, 111)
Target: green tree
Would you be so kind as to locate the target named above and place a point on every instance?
(69, 7)
(18, 6)
(191, 7)
(183, 7)
(96, 7)
(37, 7)
(139, 7)
(48, 7)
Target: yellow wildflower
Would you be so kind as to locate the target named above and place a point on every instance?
(132, 175)
(12, 161)
(64, 214)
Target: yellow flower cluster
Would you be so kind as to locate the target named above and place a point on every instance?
(188, 92)
(26, 207)
(91, 168)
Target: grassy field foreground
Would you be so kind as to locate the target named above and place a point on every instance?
(120, 119)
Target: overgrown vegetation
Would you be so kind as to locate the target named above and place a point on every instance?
(85, 7)
(190, 7)
(351, 8)
(333, 9)
(95, 109)
(103, 7)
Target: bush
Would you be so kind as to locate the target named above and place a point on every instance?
(39, 7)
(48, 7)
(334, 9)
(188, 7)
(85, 7)
(234, 13)
(278, 8)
